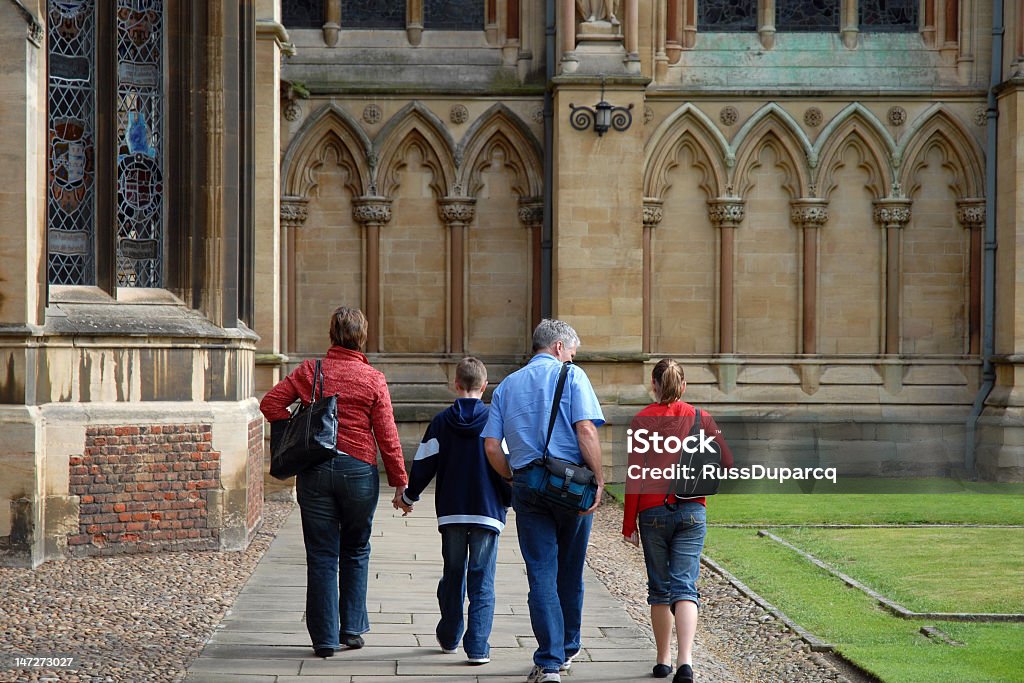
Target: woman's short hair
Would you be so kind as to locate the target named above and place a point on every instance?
(470, 373)
(668, 374)
(348, 328)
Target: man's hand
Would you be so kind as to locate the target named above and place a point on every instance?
(496, 457)
(597, 501)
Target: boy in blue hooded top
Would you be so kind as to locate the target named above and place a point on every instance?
(470, 501)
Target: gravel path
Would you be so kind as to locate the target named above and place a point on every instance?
(136, 618)
(737, 641)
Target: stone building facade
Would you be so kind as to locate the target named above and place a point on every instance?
(796, 210)
(806, 203)
(127, 408)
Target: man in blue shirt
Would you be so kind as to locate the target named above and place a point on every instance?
(553, 539)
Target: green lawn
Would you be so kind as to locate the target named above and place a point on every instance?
(964, 569)
(888, 647)
(927, 570)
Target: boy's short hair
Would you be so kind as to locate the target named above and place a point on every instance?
(470, 373)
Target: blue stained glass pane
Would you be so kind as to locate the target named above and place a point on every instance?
(387, 14)
(140, 127)
(887, 15)
(71, 195)
(727, 15)
(302, 13)
(453, 15)
(807, 15)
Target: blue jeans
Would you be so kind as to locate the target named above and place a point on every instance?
(553, 541)
(470, 553)
(672, 544)
(337, 500)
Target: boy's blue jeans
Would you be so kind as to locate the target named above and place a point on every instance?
(470, 553)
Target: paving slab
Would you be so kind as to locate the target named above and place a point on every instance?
(263, 637)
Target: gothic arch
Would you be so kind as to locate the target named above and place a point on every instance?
(500, 129)
(329, 129)
(961, 153)
(796, 183)
(414, 126)
(689, 128)
(857, 127)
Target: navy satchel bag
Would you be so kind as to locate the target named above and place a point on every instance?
(310, 435)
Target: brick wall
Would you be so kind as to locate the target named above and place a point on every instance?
(254, 477)
(144, 488)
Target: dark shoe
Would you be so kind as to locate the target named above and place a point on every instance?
(324, 652)
(661, 670)
(352, 642)
(684, 674)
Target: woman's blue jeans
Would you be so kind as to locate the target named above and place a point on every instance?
(470, 553)
(673, 541)
(337, 500)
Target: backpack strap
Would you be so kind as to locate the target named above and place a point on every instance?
(673, 504)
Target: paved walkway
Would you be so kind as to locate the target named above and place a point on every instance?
(263, 638)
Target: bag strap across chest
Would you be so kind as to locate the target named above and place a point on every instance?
(562, 374)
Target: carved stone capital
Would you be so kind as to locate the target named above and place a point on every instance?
(293, 211)
(893, 212)
(726, 212)
(456, 211)
(971, 213)
(809, 212)
(371, 210)
(531, 212)
(653, 212)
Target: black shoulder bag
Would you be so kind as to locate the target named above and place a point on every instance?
(560, 481)
(310, 436)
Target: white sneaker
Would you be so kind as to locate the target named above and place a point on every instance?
(444, 649)
(567, 664)
(537, 675)
(478, 660)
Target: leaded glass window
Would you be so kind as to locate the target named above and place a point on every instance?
(302, 13)
(71, 196)
(727, 15)
(888, 15)
(373, 14)
(453, 15)
(140, 125)
(807, 15)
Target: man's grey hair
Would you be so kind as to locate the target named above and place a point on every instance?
(550, 331)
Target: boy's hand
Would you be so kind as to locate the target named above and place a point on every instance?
(399, 503)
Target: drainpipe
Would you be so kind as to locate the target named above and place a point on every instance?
(547, 232)
(988, 314)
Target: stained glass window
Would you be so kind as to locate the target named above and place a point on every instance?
(373, 14)
(888, 15)
(71, 196)
(453, 15)
(727, 15)
(140, 125)
(302, 13)
(807, 15)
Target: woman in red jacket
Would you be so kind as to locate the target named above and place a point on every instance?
(338, 498)
(671, 530)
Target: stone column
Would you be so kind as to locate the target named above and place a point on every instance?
(726, 214)
(928, 25)
(567, 26)
(457, 213)
(332, 23)
(631, 10)
(849, 23)
(372, 213)
(660, 38)
(971, 215)
(674, 30)
(531, 215)
(766, 23)
(809, 214)
(892, 214)
(414, 21)
(294, 212)
(653, 213)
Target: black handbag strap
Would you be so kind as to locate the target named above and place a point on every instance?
(669, 503)
(318, 379)
(562, 374)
